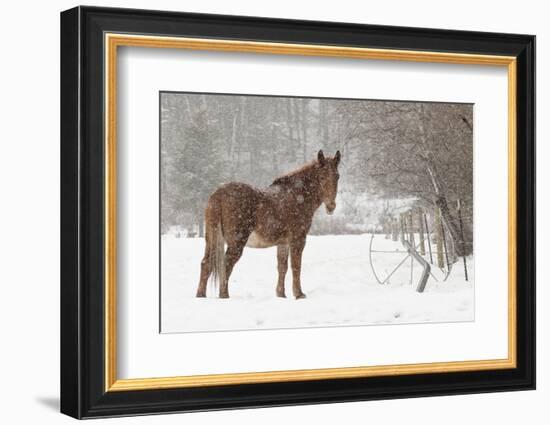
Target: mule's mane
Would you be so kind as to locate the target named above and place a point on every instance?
(304, 171)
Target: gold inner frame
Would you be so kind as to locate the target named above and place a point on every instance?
(113, 41)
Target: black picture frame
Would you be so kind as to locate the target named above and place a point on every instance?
(83, 392)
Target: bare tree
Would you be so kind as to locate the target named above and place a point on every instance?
(392, 150)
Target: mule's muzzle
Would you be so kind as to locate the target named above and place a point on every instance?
(329, 207)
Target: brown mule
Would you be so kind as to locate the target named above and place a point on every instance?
(241, 215)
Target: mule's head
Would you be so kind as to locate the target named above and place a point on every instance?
(328, 179)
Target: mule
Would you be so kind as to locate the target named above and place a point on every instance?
(241, 215)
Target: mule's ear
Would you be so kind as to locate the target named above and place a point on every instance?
(321, 157)
(337, 157)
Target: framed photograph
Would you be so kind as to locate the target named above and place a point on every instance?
(261, 212)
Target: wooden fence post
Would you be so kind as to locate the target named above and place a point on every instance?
(421, 232)
(444, 238)
(428, 237)
(439, 239)
(411, 229)
(402, 224)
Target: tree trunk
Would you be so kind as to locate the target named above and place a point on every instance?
(395, 230)
(189, 110)
(439, 192)
(231, 152)
(323, 123)
(452, 227)
(290, 127)
(275, 151)
(239, 137)
(201, 228)
(297, 126)
(304, 129)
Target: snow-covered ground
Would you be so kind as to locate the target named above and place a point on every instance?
(336, 277)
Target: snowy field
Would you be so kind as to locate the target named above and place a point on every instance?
(336, 277)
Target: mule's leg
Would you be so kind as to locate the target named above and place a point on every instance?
(296, 249)
(232, 255)
(206, 269)
(282, 267)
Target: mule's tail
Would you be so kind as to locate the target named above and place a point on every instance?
(217, 243)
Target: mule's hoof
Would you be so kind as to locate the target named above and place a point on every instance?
(300, 296)
(201, 295)
(281, 295)
(224, 295)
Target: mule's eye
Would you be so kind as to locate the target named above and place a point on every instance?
(337, 176)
